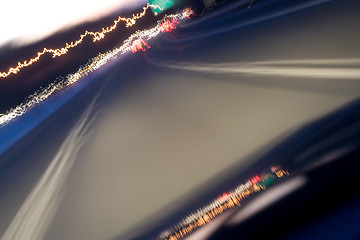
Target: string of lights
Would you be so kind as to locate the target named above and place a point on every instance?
(224, 202)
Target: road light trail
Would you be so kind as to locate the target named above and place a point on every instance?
(218, 28)
(137, 41)
(97, 36)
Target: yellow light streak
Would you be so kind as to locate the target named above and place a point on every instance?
(97, 36)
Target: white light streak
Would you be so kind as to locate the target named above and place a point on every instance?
(285, 68)
(36, 213)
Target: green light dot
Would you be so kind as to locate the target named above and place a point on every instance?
(164, 4)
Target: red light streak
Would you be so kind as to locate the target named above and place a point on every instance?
(139, 45)
(168, 25)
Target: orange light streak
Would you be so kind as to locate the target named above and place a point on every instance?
(97, 36)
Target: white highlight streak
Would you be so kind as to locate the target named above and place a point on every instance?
(40, 206)
(334, 71)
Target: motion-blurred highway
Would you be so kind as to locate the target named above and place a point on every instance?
(167, 122)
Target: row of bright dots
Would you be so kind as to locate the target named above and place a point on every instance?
(206, 214)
